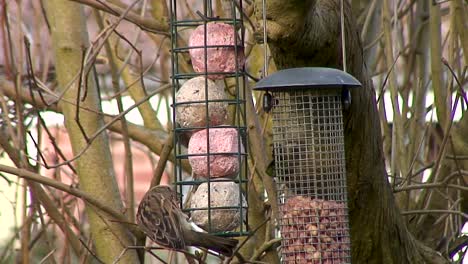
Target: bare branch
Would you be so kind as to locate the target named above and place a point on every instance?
(147, 24)
(69, 189)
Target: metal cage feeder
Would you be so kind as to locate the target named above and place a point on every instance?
(308, 138)
(209, 118)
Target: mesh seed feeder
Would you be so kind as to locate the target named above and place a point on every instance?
(208, 117)
(306, 106)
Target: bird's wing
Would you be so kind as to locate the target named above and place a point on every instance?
(157, 216)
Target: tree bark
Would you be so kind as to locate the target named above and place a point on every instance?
(307, 33)
(94, 166)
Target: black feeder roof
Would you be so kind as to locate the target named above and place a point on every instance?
(307, 77)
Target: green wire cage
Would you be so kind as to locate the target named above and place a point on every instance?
(208, 81)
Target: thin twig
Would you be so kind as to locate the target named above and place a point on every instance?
(435, 174)
(264, 247)
(430, 186)
(128, 161)
(163, 157)
(434, 211)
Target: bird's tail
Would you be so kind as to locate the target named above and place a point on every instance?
(221, 245)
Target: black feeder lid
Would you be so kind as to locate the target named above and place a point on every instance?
(307, 77)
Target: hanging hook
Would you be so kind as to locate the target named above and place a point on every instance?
(346, 98)
(267, 102)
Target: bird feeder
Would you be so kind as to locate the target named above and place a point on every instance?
(307, 113)
(208, 80)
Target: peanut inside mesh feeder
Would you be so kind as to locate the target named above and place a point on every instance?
(209, 123)
(306, 106)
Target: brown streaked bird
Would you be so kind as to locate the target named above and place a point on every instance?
(160, 217)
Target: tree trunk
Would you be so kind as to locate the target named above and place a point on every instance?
(94, 165)
(307, 33)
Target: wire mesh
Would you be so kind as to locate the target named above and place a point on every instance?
(310, 168)
(209, 115)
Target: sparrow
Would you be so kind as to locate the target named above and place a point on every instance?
(162, 220)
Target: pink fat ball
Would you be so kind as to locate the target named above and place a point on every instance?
(219, 59)
(222, 140)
